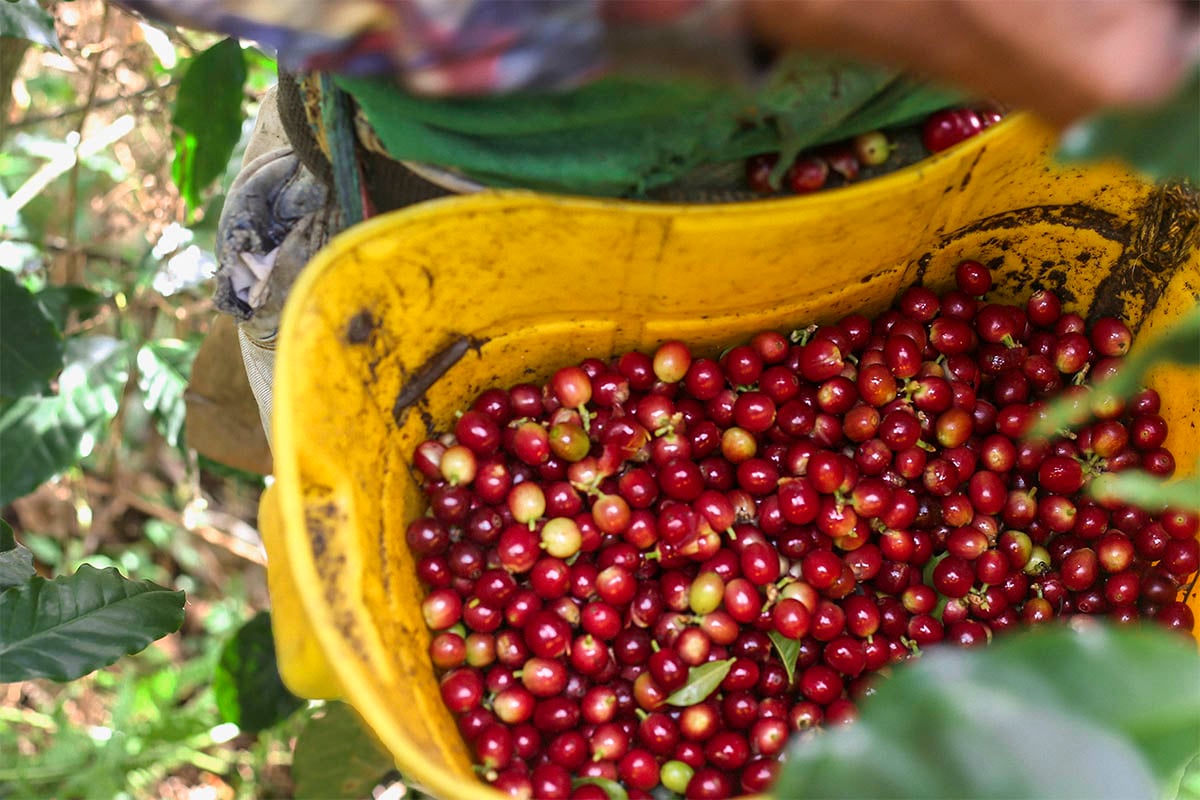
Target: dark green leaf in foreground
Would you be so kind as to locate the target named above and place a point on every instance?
(701, 682)
(16, 561)
(42, 436)
(25, 19)
(1187, 787)
(1099, 713)
(163, 370)
(64, 628)
(1139, 488)
(59, 301)
(207, 118)
(1178, 345)
(337, 756)
(31, 348)
(1159, 141)
(789, 652)
(247, 685)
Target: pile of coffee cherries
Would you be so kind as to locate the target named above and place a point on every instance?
(870, 153)
(653, 571)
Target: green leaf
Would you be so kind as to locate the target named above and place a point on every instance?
(25, 19)
(902, 102)
(1159, 142)
(247, 685)
(70, 626)
(163, 370)
(1144, 490)
(614, 790)
(1187, 786)
(789, 652)
(337, 756)
(262, 72)
(31, 348)
(207, 118)
(812, 99)
(580, 142)
(623, 135)
(42, 436)
(8, 539)
(701, 682)
(1179, 345)
(612, 101)
(16, 560)
(59, 301)
(1098, 713)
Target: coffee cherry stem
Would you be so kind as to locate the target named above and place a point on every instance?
(940, 608)
(801, 336)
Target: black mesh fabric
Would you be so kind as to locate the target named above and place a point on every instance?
(390, 184)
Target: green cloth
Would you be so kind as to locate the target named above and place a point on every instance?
(623, 136)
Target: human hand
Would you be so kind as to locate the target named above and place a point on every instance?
(1063, 59)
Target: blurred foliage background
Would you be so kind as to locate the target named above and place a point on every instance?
(91, 222)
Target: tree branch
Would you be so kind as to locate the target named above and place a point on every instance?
(231, 542)
(73, 178)
(41, 119)
(60, 245)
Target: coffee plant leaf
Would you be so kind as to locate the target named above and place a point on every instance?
(1178, 345)
(31, 348)
(1139, 488)
(585, 142)
(789, 652)
(247, 685)
(614, 790)
(65, 628)
(207, 117)
(42, 436)
(611, 102)
(1159, 141)
(702, 681)
(25, 19)
(8, 538)
(625, 135)
(1098, 712)
(163, 369)
(337, 756)
(815, 99)
(59, 301)
(901, 102)
(16, 560)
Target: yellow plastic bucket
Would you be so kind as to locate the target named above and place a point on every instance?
(404, 319)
